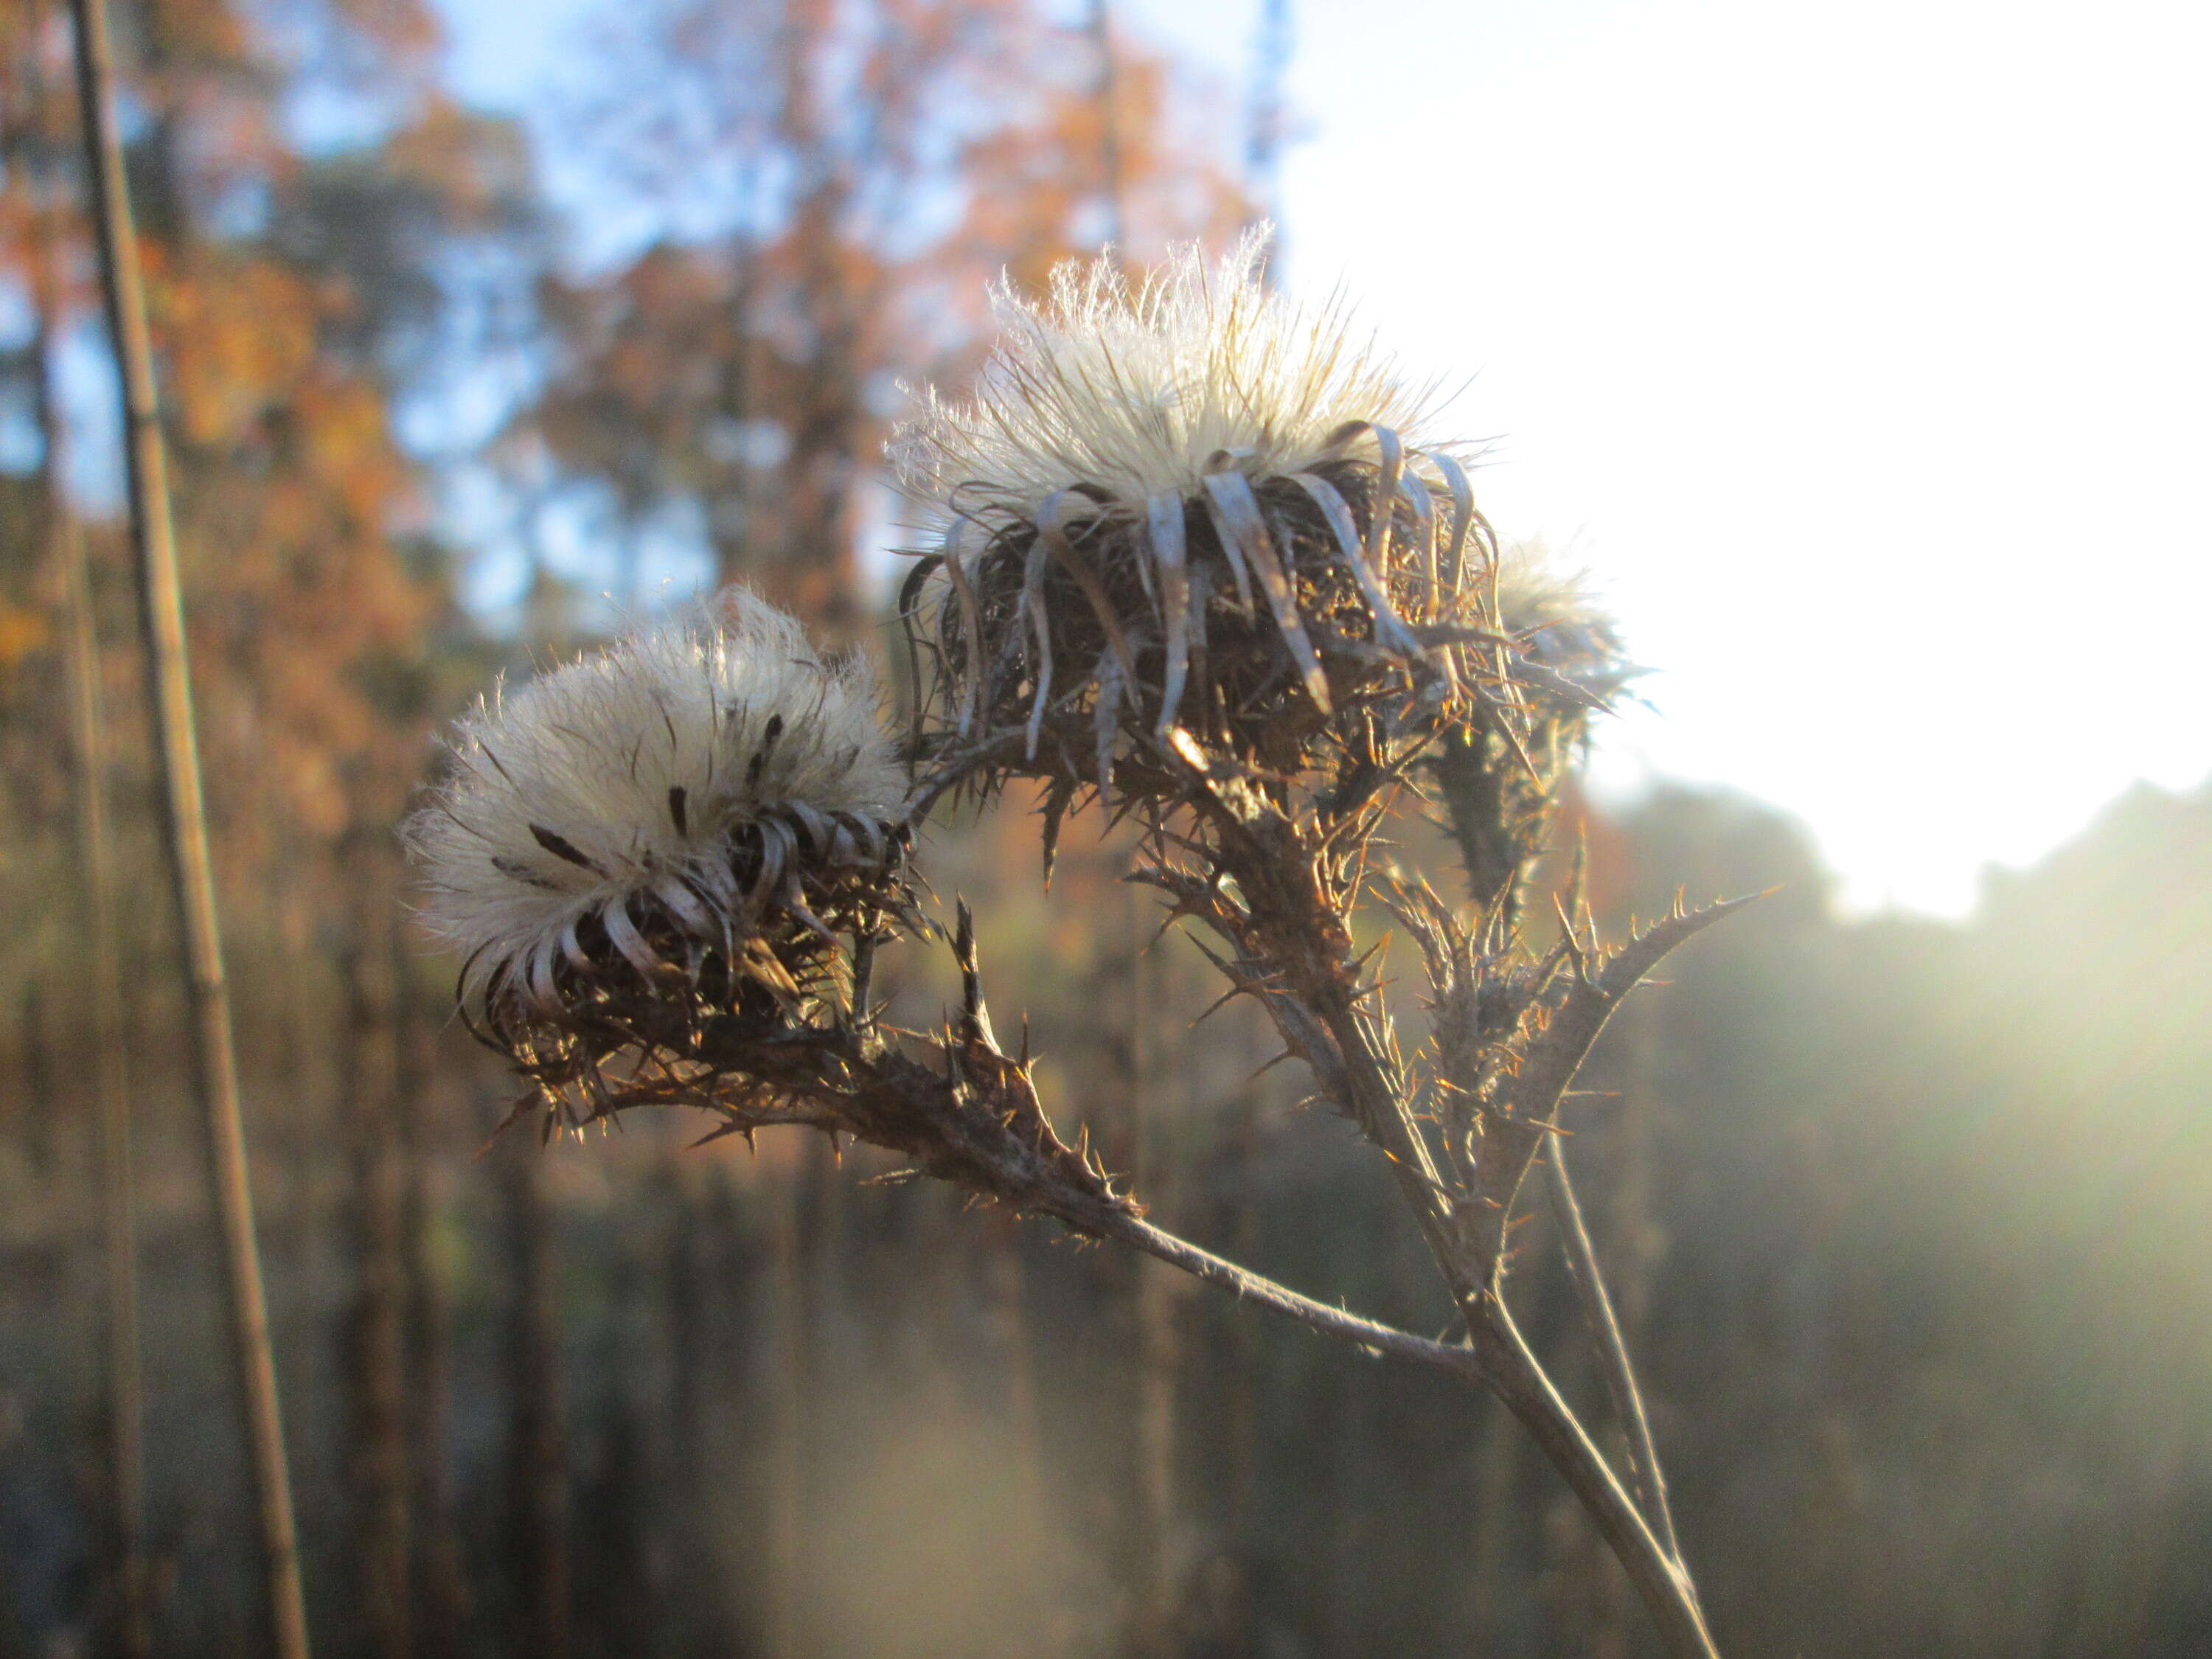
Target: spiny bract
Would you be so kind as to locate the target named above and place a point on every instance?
(615, 789)
(1144, 392)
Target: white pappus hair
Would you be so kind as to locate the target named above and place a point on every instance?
(616, 783)
(1540, 597)
(1138, 392)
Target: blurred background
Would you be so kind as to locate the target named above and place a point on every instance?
(1858, 354)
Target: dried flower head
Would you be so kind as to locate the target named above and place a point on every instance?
(662, 839)
(1189, 503)
(1559, 619)
(1498, 773)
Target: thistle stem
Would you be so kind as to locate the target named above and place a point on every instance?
(1520, 1381)
(1108, 1221)
(1613, 1350)
(1305, 929)
(1509, 1369)
(1499, 1361)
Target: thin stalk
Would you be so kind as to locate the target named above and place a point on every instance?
(1153, 1315)
(537, 1429)
(377, 1440)
(1521, 1383)
(126, 1447)
(1656, 1570)
(1110, 134)
(1500, 1361)
(1102, 1220)
(87, 715)
(1373, 1090)
(184, 829)
(1613, 1351)
(441, 1619)
(1265, 126)
(1006, 1278)
(788, 1475)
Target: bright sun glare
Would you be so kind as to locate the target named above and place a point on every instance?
(1861, 351)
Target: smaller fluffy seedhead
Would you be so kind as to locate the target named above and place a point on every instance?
(1189, 503)
(670, 839)
(1561, 623)
(1497, 774)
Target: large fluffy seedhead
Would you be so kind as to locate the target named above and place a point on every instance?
(1134, 390)
(1187, 503)
(673, 832)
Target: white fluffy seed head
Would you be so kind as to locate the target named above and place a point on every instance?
(1136, 391)
(1567, 625)
(1534, 590)
(620, 778)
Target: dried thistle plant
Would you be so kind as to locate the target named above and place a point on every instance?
(667, 867)
(1194, 566)
(1134, 468)
(678, 846)
(1193, 506)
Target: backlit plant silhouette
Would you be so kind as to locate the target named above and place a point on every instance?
(1203, 561)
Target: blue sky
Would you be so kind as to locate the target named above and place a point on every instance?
(1861, 352)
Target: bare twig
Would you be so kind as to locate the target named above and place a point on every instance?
(162, 614)
(1109, 138)
(974, 1119)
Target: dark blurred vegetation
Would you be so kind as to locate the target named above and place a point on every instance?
(1908, 1218)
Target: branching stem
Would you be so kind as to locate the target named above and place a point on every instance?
(1499, 1361)
(1613, 1350)
(1298, 922)
(1521, 1383)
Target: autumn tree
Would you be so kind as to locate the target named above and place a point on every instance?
(825, 190)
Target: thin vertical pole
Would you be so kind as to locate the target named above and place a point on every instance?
(788, 1475)
(538, 1429)
(185, 828)
(1110, 131)
(1263, 135)
(122, 1381)
(126, 1453)
(1154, 1314)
